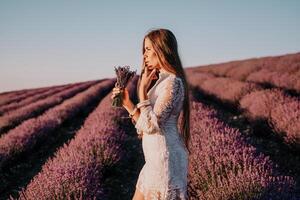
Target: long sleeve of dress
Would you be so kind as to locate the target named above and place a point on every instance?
(150, 119)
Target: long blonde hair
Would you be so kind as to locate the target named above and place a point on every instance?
(165, 46)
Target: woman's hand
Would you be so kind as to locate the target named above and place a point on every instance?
(146, 79)
(126, 102)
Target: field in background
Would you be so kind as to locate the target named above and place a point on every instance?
(67, 141)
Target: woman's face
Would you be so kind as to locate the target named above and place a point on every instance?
(150, 57)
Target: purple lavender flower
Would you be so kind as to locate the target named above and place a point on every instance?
(123, 77)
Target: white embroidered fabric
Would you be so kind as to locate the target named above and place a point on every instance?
(164, 174)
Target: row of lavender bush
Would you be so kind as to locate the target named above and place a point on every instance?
(22, 91)
(225, 89)
(223, 166)
(17, 95)
(12, 92)
(11, 119)
(31, 99)
(25, 137)
(278, 79)
(280, 71)
(280, 110)
(76, 171)
(14, 97)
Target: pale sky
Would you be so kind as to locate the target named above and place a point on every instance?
(45, 43)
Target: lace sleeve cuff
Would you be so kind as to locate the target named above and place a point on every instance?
(147, 121)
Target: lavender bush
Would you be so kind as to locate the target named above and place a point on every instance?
(17, 95)
(77, 168)
(15, 117)
(20, 95)
(223, 166)
(285, 118)
(244, 68)
(282, 112)
(26, 136)
(221, 69)
(279, 79)
(288, 64)
(197, 78)
(26, 101)
(228, 89)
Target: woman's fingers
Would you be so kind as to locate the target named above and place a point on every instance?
(113, 95)
(116, 92)
(152, 73)
(147, 73)
(117, 89)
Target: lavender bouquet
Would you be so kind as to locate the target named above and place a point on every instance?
(123, 77)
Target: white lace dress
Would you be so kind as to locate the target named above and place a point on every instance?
(164, 174)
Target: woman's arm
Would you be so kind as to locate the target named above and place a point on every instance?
(151, 117)
(130, 106)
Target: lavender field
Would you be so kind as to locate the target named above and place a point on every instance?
(67, 142)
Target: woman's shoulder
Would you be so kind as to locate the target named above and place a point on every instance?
(172, 81)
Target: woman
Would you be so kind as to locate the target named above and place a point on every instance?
(165, 148)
